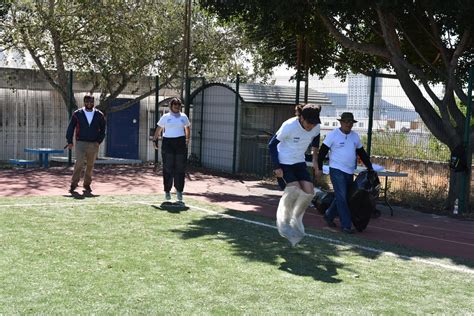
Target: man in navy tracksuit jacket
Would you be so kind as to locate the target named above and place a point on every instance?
(88, 125)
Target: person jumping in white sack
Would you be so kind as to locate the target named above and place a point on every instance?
(287, 151)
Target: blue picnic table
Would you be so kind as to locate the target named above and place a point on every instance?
(43, 154)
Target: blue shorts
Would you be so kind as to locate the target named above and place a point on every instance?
(296, 172)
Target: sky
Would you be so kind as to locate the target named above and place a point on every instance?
(392, 92)
(15, 60)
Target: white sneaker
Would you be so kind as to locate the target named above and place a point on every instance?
(167, 196)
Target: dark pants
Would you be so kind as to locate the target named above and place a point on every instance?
(174, 154)
(85, 152)
(341, 182)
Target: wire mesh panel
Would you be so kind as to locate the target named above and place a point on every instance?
(401, 137)
(254, 158)
(213, 128)
(400, 140)
(149, 131)
(197, 128)
(31, 118)
(399, 131)
(33, 114)
(257, 124)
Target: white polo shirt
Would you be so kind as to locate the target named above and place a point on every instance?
(342, 150)
(173, 125)
(89, 115)
(294, 140)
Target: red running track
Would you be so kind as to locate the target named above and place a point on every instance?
(440, 235)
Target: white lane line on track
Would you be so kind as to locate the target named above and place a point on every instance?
(413, 234)
(330, 240)
(424, 225)
(134, 202)
(423, 236)
(410, 224)
(66, 204)
(343, 243)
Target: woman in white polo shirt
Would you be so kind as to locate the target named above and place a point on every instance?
(174, 151)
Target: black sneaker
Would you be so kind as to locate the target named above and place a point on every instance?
(72, 188)
(348, 230)
(87, 188)
(329, 222)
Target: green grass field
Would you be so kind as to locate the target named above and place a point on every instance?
(125, 255)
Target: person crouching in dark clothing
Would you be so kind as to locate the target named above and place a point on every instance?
(88, 126)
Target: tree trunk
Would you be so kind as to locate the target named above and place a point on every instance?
(467, 201)
(455, 187)
(455, 179)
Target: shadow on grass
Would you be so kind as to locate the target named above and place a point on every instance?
(171, 207)
(77, 196)
(265, 245)
(299, 261)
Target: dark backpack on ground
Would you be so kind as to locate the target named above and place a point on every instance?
(362, 198)
(322, 200)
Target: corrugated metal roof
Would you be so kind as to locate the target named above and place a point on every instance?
(267, 94)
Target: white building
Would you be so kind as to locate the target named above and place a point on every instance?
(358, 95)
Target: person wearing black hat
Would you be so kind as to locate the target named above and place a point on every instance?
(287, 151)
(342, 144)
(88, 126)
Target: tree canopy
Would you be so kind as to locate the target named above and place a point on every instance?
(113, 43)
(422, 42)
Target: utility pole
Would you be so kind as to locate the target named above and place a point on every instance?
(186, 48)
(306, 70)
(299, 46)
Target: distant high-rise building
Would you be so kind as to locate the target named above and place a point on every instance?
(358, 95)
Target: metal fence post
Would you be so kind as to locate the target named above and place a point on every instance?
(467, 128)
(71, 98)
(236, 121)
(187, 101)
(297, 97)
(203, 82)
(157, 110)
(373, 76)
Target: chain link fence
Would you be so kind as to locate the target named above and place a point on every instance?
(33, 115)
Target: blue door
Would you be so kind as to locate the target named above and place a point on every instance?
(122, 131)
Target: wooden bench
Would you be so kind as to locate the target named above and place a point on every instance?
(22, 162)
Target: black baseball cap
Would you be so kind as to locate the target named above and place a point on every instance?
(310, 113)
